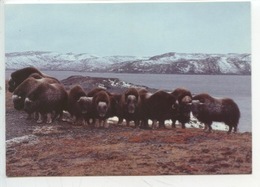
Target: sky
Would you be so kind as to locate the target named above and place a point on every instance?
(139, 29)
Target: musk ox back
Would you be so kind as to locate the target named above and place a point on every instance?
(208, 109)
(45, 99)
(128, 106)
(79, 104)
(19, 76)
(157, 107)
(184, 99)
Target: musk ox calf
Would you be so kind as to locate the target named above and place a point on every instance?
(159, 106)
(128, 107)
(101, 109)
(184, 99)
(208, 109)
(79, 104)
(46, 99)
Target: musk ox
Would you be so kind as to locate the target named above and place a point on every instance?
(113, 97)
(46, 99)
(208, 109)
(101, 108)
(26, 86)
(157, 107)
(20, 75)
(128, 107)
(184, 99)
(79, 104)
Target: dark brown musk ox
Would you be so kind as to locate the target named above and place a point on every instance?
(79, 104)
(18, 76)
(208, 109)
(114, 99)
(128, 107)
(101, 109)
(184, 99)
(159, 106)
(45, 99)
(26, 86)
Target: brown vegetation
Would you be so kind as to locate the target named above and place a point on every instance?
(62, 149)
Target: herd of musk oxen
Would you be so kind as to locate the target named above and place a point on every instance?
(38, 93)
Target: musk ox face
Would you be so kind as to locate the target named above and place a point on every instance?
(30, 106)
(196, 108)
(85, 104)
(102, 108)
(18, 102)
(11, 85)
(131, 102)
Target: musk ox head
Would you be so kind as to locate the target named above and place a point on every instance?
(102, 108)
(30, 106)
(131, 102)
(102, 103)
(196, 107)
(85, 104)
(18, 102)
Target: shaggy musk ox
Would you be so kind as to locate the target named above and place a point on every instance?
(26, 86)
(79, 104)
(113, 97)
(101, 108)
(20, 75)
(208, 109)
(184, 99)
(159, 106)
(45, 99)
(128, 107)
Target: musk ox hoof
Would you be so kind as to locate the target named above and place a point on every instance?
(49, 121)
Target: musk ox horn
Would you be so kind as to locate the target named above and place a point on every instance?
(15, 97)
(197, 102)
(27, 100)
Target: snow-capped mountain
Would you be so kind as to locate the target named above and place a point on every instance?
(179, 63)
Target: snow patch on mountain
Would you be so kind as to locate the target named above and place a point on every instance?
(174, 63)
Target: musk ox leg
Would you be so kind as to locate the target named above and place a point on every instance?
(106, 124)
(136, 122)
(144, 124)
(127, 123)
(161, 124)
(49, 118)
(29, 116)
(40, 118)
(183, 126)
(97, 123)
(235, 128)
(154, 124)
(120, 121)
(173, 123)
(208, 127)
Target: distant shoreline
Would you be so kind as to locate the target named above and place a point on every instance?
(228, 74)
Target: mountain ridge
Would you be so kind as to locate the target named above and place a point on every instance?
(166, 63)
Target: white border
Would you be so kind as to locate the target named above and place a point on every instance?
(197, 181)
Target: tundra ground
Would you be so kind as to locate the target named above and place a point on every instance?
(63, 149)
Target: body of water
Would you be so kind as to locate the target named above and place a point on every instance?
(233, 86)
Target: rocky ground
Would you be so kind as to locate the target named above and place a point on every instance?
(62, 149)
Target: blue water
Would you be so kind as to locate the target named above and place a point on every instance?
(236, 87)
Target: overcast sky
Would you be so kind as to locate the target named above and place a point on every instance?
(140, 29)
